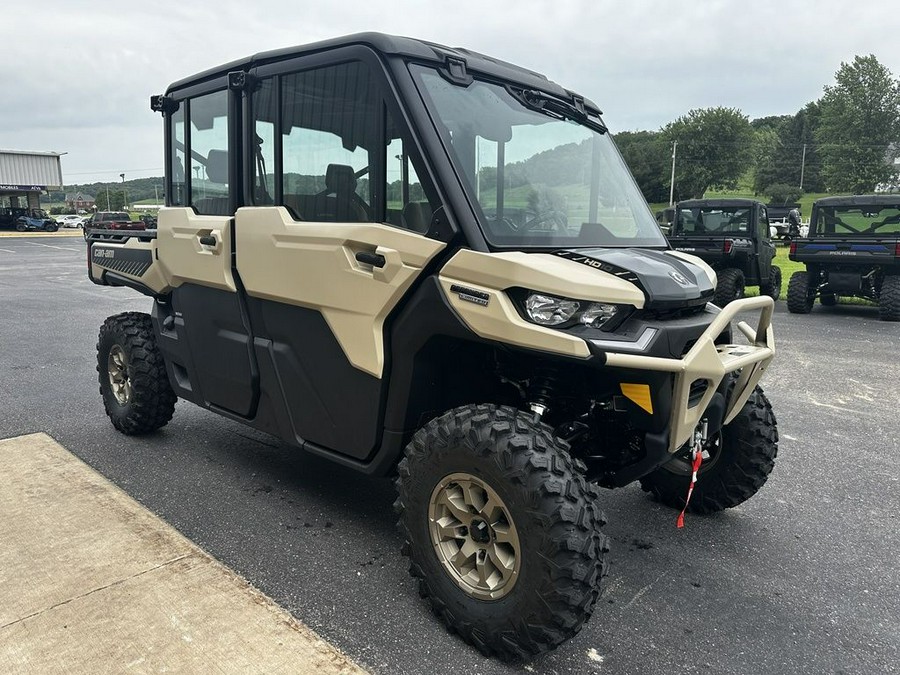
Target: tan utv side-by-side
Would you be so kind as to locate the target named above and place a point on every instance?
(422, 262)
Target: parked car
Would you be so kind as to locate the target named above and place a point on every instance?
(70, 220)
(112, 220)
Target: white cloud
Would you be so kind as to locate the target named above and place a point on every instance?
(78, 75)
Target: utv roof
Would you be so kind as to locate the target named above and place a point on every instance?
(859, 200)
(717, 203)
(391, 45)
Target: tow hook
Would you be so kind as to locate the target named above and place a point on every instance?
(699, 440)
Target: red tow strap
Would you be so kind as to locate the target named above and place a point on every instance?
(695, 467)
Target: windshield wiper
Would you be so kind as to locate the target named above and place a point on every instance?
(558, 108)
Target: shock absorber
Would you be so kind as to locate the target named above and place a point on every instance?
(541, 388)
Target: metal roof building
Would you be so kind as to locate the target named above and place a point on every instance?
(26, 171)
(25, 175)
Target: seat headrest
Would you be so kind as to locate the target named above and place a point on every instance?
(217, 166)
(340, 178)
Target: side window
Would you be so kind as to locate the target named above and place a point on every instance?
(209, 153)
(326, 147)
(176, 170)
(763, 224)
(410, 200)
(330, 140)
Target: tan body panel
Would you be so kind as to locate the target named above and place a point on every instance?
(152, 278)
(493, 273)
(183, 259)
(313, 265)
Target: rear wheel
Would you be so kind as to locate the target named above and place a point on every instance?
(136, 392)
(799, 299)
(889, 300)
(773, 287)
(501, 529)
(730, 286)
(737, 462)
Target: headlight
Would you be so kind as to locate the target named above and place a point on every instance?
(549, 311)
(597, 314)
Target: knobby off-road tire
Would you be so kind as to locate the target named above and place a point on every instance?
(136, 392)
(799, 300)
(559, 558)
(730, 286)
(889, 300)
(741, 458)
(772, 288)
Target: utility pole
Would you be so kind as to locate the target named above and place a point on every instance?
(672, 181)
(802, 166)
(124, 194)
(108, 207)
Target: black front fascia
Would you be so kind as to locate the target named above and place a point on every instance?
(666, 281)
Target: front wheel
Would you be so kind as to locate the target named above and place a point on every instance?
(501, 529)
(737, 462)
(134, 385)
(772, 287)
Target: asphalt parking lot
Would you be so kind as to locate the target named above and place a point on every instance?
(804, 578)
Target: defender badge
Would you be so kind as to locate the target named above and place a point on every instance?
(471, 295)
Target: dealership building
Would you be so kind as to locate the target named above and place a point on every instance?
(25, 175)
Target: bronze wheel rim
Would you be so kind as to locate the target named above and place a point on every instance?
(474, 536)
(119, 382)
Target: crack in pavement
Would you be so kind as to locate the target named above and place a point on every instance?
(98, 589)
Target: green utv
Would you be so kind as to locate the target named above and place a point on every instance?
(423, 262)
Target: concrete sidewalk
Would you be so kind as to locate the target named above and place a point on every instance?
(92, 582)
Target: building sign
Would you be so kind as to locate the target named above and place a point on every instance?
(24, 188)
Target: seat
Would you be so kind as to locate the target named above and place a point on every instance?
(340, 181)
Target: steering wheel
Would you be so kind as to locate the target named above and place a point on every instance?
(556, 220)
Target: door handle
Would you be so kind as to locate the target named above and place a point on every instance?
(373, 259)
(208, 240)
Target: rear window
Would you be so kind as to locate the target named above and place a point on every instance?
(874, 221)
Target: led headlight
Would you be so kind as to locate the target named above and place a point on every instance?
(597, 314)
(547, 310)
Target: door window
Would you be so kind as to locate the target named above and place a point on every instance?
(209, 153)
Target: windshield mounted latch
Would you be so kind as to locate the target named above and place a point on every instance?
(455, 71)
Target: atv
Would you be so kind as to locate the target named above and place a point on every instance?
(733, 237)
(853, 250)
(421, 262)
(36, 220)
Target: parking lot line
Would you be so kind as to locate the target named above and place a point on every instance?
(96, 583)
(6, 250)
(61, 248)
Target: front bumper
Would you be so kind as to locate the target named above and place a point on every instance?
(706, 361)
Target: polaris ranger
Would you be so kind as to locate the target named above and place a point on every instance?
(853, 249)
(423, 262)
(732, 236)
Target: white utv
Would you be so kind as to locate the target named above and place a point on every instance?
(424, 262)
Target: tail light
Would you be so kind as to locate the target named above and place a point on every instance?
(897, 250)
(729, 244)
(794, 247)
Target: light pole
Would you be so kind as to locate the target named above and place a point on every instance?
(124, 194)
(672, 180)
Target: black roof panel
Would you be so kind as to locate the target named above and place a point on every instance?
(859, 200)
(717, 203)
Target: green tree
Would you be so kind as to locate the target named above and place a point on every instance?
(116, 200)
(786, 162)
(860, 119)
(715, 148)
(649, 157)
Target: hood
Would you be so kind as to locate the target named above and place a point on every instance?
(666, 280)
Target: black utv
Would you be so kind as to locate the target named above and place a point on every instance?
(732, 236)
(853, 249)
(422, 262)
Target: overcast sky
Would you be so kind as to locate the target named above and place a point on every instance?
(77, 75)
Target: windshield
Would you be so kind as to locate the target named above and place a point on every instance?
(875, 220)
(720, 220)
(539, 178)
